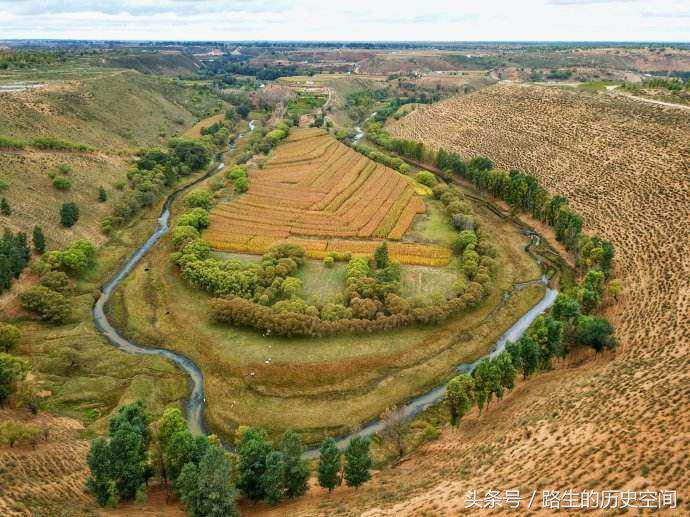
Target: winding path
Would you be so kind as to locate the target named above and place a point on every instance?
(197, 401)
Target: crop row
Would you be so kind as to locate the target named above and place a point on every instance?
(320, 191)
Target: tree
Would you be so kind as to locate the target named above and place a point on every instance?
(12, 371)
(426, 178)
(464, 239)
(170, 423)
(241, 184)
(69, 214)
(39, 239)
(296, 468)
(395, 427)
(5, 207)
(273, 478)
(506, 370)
(328, 471)
(102, 195)
(56, 281)
(357, 462)
(381, 256)
(9, 337)
(547, 332)
(487, 382)
(100, 482)
(529, 356)
(596, 333)
(253, 450)
(460, 397)
(128, 444)
(199, 198)
(565, 308)
(206, 489)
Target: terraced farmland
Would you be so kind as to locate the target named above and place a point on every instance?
(325, 197)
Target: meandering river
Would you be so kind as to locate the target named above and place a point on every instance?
(196, 402)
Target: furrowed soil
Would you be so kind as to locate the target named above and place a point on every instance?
(614, 422)
(40, 478)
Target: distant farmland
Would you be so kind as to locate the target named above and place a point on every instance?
(325, 197)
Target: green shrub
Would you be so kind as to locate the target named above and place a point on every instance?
(9, 337)
(64, 168)
(181, 235)
(4, 185)
(328, 261)
(197, 217)
(55, 144)
(199, 198)
(12, 433)
(74, 259)
(241, 185)
(236, 171)
(50, 305)
(61, 183)
(426, 178)
(11, 143)
(464, 239)
(276, 135)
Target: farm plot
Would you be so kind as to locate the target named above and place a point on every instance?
(327, 198)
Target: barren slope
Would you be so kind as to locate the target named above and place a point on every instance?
(45, 476)
(619, 422)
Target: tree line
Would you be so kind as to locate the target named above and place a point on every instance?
(204, 476)
(550, 336)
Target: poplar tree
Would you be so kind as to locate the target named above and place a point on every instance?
(296, 468)
(460, 397)
(39, 239)
(357, 462)
(328, 471)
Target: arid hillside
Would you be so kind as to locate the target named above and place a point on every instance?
(45, 473)
(112, 114)
(618, 422)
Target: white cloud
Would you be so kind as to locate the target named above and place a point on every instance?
(436, 20)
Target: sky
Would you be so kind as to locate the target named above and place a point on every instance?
(353, 20)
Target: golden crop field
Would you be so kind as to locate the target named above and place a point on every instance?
(320, 194)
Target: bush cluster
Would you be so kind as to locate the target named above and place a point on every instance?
(155, 170)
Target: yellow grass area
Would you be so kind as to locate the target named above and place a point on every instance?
(320, 194)
(195, 130)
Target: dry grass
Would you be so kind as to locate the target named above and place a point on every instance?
(615, 422)
(325, 197)
(46, 476)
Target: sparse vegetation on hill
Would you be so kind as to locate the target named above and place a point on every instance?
(567, 426)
